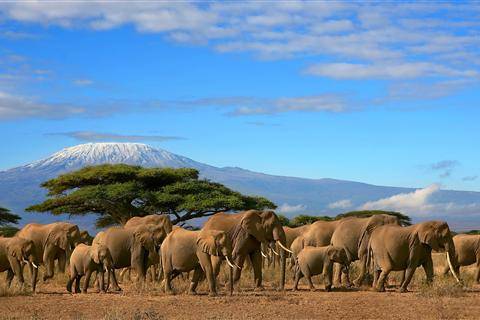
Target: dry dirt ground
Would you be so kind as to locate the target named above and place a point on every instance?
(443, 300)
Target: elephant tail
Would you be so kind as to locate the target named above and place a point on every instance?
(369, 257)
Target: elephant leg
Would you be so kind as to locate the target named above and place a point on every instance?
(70, 281)
(87, 281)
(408, 277)
(111, 273)
(240, 260)
(428, 268)
(477, 272)
(338, 275)
(256, 259)
(197, 274)
(62, 261)
(346, 272)
(376, 275)
(308, 276)
(9, 278)
(362, 271)
(33, 276)
(298, 276)
(380, 287)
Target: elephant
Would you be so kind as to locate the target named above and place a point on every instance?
(13, 253)
(186, 250)
(397, 248)
(86, 259)
(54, 241)
(353, 234)
(129, 247)
(159, 220)
(467, 249)
(312, 261)
(247, 231)
(85, 237)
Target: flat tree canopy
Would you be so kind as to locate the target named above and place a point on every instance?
(404, 219)
(117, 192)
(6, 218)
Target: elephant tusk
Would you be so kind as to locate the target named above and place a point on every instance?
(34, 265)
(229, 263)
(275, 252)
(283, 247)
(451, 267)
(263, 254)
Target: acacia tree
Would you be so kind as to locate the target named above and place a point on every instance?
(7, 218)
(118, 192)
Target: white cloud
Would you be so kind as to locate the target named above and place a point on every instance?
(17, 107)
(369, 40)
(420, 203)
(93, 136)
(401, 70)
(341, 204)
(413, 202)
(287, 208)
(82, 82)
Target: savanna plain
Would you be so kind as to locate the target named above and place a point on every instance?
(444, 299)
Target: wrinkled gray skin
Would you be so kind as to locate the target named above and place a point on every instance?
(396, 248)
(312, 261)
(185, 250)
(247, 231)
(129, 247)
(54, 241)
(14, 252)
(352, 234)
(85, 260)
(467, 250)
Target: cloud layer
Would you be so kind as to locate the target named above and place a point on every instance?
(92, 136)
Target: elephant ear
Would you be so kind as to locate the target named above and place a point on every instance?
(252, 224)
(427, 235)
(207, 242)
(14, 249)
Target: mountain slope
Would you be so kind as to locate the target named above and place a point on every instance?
(19, 187)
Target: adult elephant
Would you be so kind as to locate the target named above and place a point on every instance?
(396, 248)
(129, 247)
(353, 234)
(467, 250)
(186, 250)
(164, 225)
(13, 253)
(54, 241)
(247, 231)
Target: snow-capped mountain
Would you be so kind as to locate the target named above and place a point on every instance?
(20, 186)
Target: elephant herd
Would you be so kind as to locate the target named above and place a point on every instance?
(379, 243)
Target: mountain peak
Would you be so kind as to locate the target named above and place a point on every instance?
(112, 152)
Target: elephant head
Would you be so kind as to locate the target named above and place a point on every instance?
(217, 243)
(101, 255)
(249, 226)
(85, 237)
(437, 236)
(22, 250)
(338, 255)
(143, 244)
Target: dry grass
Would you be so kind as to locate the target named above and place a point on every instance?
(442, 299)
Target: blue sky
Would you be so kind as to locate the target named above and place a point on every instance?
(384, 94)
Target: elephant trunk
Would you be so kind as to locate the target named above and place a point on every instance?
(281, 239)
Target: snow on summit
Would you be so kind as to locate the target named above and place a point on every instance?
(99, 153)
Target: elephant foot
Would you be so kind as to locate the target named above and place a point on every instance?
(377, 289)
(402, 290)
(213, 294)
(117, 289)
(295, 289)
(84, 291)
(192, 293)
(327, 288)
(259, 289)
(357, 283)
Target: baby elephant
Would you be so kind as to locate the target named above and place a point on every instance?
(86, 259)
(312, 261)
